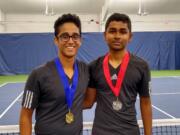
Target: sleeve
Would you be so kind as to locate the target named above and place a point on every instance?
(31, 92)
(91, 76)
(145, 83)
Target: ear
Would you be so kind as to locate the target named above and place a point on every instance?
(130, 36)
(56, 41)
(104, 35)
(81, 39)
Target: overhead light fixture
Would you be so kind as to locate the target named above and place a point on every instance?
(47, 13)
(47, 8)
(141, 8)
(52, 8)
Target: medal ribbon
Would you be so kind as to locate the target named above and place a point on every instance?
(116, 90)
(69, 89)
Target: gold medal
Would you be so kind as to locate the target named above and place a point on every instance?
(69, 117)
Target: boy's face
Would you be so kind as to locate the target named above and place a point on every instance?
(68, 46)
(117, 35)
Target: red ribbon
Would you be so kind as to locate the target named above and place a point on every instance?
(116, 90)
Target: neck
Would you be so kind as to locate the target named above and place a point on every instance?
(66, 62)
(115, 57)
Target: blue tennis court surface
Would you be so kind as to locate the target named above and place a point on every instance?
(165, 101)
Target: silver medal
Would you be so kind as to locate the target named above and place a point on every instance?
(117, 105)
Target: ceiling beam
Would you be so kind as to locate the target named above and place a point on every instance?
(2, 16)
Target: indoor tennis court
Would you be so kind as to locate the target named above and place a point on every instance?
(27, 41)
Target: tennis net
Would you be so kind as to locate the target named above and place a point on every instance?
(160, 127)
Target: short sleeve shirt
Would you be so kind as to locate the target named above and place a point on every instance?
(136, 81)
(44, 92)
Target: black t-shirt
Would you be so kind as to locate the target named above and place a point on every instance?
(44, 92)
(136, 81)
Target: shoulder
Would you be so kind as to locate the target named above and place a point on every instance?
(96, 63)
(82, 66)
(81, 63)
(138, 62)
(43, 69)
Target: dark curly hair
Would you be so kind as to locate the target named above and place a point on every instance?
(64, 19)
(118, 17)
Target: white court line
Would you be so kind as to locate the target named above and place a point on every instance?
(13, 101)
(3, 84)
(16, 82)
(171, 93)
(163, 112)
(11, 105)
(8, 83)
(177, 77)
(166, 77)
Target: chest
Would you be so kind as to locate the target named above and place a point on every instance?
(52, 87)
(131, 79)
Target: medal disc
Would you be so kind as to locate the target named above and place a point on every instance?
(117, 105)
(69, 117)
